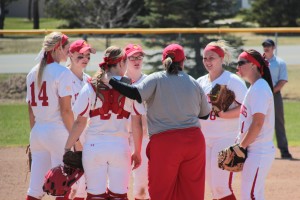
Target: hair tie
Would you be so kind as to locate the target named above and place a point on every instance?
(64, 39)
(49, 57)
(110, 61)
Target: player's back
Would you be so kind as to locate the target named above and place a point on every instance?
(44, 100)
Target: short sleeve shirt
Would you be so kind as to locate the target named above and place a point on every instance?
(216, 127)
(113, 126)
(44, 100)
(173, 101)
(259, 99)
(278, 70)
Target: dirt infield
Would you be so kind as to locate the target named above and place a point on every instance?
(283, 182)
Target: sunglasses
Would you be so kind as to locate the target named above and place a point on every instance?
(242, 62)
(132, 58)
(81, 57)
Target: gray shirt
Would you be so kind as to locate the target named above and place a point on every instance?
(173, 101)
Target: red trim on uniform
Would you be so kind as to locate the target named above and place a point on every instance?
(135, 110)
(83, 112)
(31, 198)
(62, 198)
(116, 196)
(103, 196)
(229, 197)
(230, 181)
(253, 185)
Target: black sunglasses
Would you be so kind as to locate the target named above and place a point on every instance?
(81, 57)
(242, 62)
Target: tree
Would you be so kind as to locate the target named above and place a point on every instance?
(3, 11)
(96, 13)
(36, 16)
(274, 13)
(188, 13)
(29, 10)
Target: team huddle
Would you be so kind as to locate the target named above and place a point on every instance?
(171, 132)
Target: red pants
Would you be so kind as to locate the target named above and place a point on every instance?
(177, 165)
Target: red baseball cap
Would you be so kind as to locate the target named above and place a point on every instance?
(175, 51)
(81, 46)
(131, 49)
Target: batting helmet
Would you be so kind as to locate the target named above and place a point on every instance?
(58, 180)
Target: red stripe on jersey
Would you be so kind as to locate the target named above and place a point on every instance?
(135, 110)
(83, 112)
(253, 185)
(230, 181)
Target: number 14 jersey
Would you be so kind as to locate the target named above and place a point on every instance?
(44, 99)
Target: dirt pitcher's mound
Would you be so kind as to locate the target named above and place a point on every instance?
(283, 182)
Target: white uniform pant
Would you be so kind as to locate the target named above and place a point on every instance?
(140, 175)
(218, 180)
(47, 142)
(107, 165)
(255, 171)
(79, 187)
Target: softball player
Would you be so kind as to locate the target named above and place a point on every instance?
(256, 124)
(79, 54)
(176, 151)
(49, 92)
(220, 131)
(134, 61)
(106, 152)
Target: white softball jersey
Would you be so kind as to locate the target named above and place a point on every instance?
(56, 83)
(259, 99)
(216, 127)
(113, 126)
(77, 85)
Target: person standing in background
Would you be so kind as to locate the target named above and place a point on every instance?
(49, 93)
(280, 78)
(220, 129)
(134, 62)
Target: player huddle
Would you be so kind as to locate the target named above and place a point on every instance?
(162, 127)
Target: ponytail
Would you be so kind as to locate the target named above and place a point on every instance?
(172, 67)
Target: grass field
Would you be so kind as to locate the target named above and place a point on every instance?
(24, 23)
(15, 129)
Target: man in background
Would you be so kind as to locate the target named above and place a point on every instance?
(280, 78)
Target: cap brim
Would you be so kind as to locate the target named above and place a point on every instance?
(84, 49)
(136, 51)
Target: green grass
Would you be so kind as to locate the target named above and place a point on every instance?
(292, 124)
(24, 23)
(14, 125)
(15, 129)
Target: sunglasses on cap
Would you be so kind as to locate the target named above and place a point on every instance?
(242, 62)
(132, 58)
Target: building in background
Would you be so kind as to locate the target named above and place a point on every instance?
(20, 8)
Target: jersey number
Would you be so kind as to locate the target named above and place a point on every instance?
(42, 95)
(242, 127)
